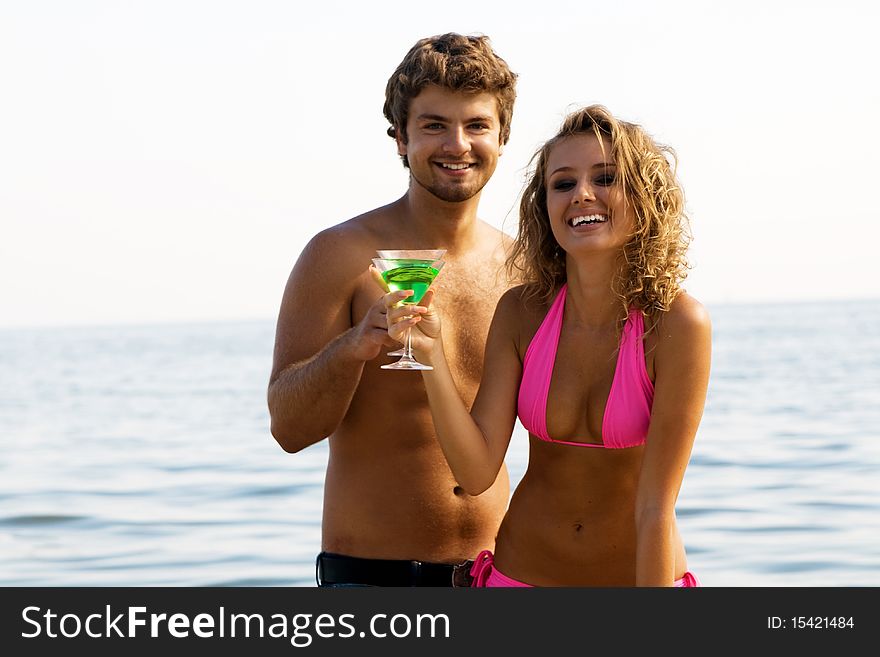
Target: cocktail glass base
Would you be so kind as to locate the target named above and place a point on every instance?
(406, 363)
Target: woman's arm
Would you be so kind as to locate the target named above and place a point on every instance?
(681, 366)
(474, 442)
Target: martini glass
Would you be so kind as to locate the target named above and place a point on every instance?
(427, 254)
(409, 270)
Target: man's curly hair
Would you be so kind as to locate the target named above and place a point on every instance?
(455, 62)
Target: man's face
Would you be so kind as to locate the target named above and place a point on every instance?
(453, 142)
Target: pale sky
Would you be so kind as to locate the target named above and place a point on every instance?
(168, 160)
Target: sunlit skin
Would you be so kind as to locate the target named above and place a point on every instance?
(580, 516)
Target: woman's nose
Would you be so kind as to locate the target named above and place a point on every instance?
(583, 194)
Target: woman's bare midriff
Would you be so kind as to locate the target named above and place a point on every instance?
(571, 520)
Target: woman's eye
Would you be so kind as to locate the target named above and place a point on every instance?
(605, 180)
(562, 185)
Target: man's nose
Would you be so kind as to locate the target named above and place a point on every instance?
(457, 141)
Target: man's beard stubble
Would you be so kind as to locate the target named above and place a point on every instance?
(450, 193)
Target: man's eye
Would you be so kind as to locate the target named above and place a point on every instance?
(433, 126)
(479, 126)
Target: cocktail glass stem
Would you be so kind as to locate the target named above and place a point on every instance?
(408, 344)
(407, 360)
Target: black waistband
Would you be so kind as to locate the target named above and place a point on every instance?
(341, 569)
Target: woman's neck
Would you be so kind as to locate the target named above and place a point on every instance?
(590, 301)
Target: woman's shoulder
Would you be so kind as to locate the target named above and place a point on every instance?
(522, 301)
(686, 320)
(518, 314)
(686, 312)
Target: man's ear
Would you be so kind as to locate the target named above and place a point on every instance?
(401, 145)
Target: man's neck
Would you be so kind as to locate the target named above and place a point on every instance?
(434, 223)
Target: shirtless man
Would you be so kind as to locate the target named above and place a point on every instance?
(393, 513)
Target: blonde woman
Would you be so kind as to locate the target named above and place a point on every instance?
(601, 354)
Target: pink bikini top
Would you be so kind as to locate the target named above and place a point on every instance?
(628, 409)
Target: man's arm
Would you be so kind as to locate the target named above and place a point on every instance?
(319, 356)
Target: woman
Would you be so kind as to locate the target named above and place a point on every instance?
(602, 355)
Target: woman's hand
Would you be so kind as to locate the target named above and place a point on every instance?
(421, 318)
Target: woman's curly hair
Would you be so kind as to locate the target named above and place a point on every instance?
(653, 262)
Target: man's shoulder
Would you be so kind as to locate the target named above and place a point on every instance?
(350, 232)
(502, 251)
(354, 236)
(494, 235)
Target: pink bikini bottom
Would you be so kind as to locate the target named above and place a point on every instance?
(486, 575)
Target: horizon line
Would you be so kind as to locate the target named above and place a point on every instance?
(133, 323)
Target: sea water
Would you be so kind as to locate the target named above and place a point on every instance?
(141, 456)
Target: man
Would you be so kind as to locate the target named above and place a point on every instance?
(393, 513)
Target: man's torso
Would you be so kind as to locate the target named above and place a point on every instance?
(388, 491)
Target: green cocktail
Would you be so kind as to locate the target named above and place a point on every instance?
(408, 274)
(409, 270)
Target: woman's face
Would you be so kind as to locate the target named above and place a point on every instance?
(585, 204)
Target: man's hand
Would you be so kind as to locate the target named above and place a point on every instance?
(370, 336)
